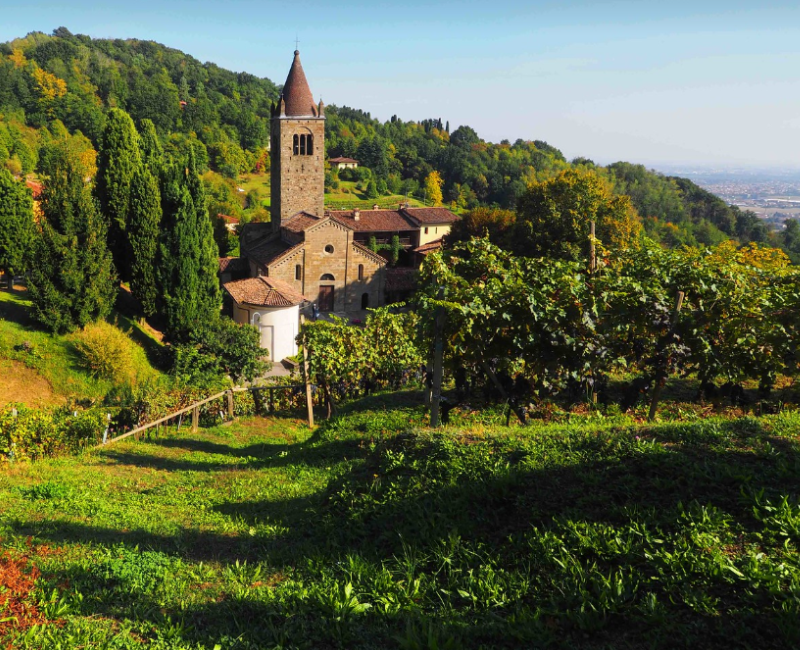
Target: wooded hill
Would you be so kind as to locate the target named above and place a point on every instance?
(224, 117)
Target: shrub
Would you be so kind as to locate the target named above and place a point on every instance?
(105, 351)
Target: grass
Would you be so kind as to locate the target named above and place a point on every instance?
(50, 360)
(373, 532)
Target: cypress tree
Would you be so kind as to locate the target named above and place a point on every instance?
(208, 263)
(144, 218)
(16, 223)
(189, 290)
(150, 146)
(71, 275)
(118, 161)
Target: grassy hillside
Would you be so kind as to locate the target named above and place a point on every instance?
(373, 532)
(46, 368)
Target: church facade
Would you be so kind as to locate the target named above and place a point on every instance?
(321, 256)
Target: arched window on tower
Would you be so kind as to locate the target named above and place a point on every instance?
(360, 271)
(298, 272)
(303, 144)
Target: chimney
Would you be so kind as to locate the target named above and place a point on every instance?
(356, 214)
(374, 206)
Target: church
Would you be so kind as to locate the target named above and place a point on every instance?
(307, 255)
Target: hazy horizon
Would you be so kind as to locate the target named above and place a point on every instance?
(690, 84)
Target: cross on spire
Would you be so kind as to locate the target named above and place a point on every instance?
(296, 43)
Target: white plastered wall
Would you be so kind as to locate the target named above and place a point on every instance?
(278, 327)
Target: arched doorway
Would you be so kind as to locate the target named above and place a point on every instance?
(364, 300)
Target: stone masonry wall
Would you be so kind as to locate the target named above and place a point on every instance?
(297, 182)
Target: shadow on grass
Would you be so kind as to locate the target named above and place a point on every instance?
(500, 502)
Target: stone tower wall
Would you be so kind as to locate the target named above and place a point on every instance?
(298, 182)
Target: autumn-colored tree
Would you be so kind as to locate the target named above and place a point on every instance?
(494, 222)
(553, 216)
(433, 187)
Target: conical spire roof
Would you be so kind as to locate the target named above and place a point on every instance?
(296, 93)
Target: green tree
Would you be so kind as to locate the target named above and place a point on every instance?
(790, 239)
(71, 275)
(189, 289)
(16, 223)
(118, 162)
(553, 217)
(150, 146)
(144, 218)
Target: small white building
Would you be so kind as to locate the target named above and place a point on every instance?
(343, 162)
(273, 307)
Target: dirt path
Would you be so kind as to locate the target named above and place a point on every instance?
(20, 384)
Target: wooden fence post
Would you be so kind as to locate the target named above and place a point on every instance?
(195, 418)
(661, 373)
(230, 405)
(306, 378)
(438, 370)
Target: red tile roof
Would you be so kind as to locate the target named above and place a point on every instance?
(270, 251)
(369, 253)
(264, 292)
(228, 218)
(431, 246)
(296, 93)
(343, 159)
(36, 188)
(299, 222)
(431, 215)
(374, 220)
(233, 264)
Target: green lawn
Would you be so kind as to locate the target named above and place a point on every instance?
(372, 532)
(53, 358)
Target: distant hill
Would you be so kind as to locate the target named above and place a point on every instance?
(224, 117)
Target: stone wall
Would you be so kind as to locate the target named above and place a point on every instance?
(297, 182)
(342, 264)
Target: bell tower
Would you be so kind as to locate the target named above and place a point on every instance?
(297, 150)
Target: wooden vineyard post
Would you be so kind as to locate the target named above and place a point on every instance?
(438, 370)
(427, 383)
(661, 373)
(195, 418)
(592, 269)
(230, 405)
(306, 378)
(520, 415)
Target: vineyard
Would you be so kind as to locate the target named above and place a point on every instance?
(557, 329)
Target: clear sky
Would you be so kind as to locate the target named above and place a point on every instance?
(702, 82)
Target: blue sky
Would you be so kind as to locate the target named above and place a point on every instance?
(700, 83)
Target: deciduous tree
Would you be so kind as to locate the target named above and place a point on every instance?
(433, 187)
(553, 216)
